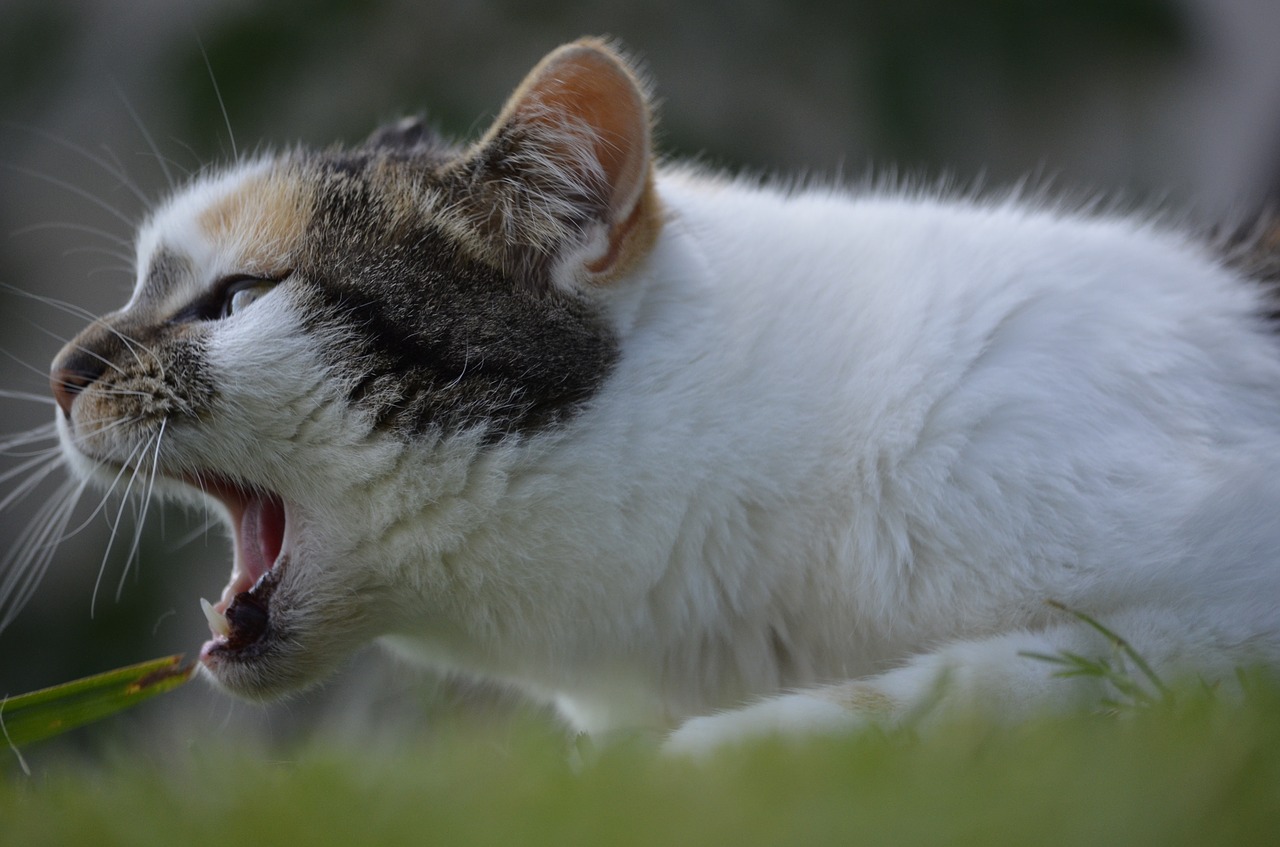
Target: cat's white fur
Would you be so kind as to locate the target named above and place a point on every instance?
(854, 444)
(859, 438)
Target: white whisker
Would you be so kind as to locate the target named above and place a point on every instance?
(27, 395)
(72, 227)
(25, 487)
(23, 467)
(79, 347)
(115, 525)
(90, 429)
(70, 308)
(207, 524)
(102, 502)
(76, 190)
(142, 128)
(218, 93)
(30, 556)
(44, 432)
(47, 452)
(63, 305)
(141, 517)
(91, 250)
(113, 169)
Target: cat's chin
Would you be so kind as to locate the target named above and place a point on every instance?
(243, 629)
(261, 655)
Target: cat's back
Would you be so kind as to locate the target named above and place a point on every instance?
(894, 299)
(1036, 380)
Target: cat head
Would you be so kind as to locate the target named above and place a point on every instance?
(323, 345)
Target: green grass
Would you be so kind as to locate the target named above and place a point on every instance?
(1191, 770)
(42, 714)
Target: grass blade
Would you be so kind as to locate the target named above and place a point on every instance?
(51, 711)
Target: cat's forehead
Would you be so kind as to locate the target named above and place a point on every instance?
(249, 220)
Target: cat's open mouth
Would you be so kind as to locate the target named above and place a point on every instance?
(241, 619)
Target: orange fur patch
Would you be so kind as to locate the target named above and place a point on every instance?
(264, 220)
(631, 240)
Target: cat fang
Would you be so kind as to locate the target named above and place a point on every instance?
(684, 452)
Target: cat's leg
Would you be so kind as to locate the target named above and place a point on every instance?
(1000, 677)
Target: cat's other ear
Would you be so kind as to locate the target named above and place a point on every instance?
(559, 192)
(409, 134)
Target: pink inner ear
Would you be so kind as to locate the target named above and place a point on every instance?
(588, 86)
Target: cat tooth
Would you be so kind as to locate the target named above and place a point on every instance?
(217, 620)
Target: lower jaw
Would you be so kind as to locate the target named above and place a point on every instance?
(248, 621)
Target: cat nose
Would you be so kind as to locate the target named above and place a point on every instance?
(71, 375)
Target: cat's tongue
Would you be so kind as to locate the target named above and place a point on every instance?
(260, 525)
(260, 521)
(261, 535)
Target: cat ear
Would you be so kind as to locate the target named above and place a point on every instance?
(560, 190)
(406, 135)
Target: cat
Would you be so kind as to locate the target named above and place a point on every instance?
(689, 453)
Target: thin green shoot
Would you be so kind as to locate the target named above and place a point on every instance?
(1113, 669)
(42, 714)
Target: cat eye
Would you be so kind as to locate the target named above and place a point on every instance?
(241, 293)
(227, 296)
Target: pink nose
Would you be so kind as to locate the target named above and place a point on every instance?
(77, 374)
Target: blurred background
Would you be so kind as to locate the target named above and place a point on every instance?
(1174, 103)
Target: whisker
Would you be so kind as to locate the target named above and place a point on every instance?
(146, 505)
(81, 312)
(156, 626)
(112, 392)
(113, 169)
(118, 392)
(76, 190)
(23, 467)
(29, 484)
(29, 559)
(102, 503)
(90, 250)
(221, 103)
(142, 128)
(115, 525)
(97, 427)
(110, 270)
(55, 450)
(207, 524)
(79, 347)
(21, 439)
(27, 395)
(131, 343)
(124, 392)
(63, 305)
(24, 364)
(195, 157)
(174, 163)
(118, 240)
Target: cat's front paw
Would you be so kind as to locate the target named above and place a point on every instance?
(796, 715)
